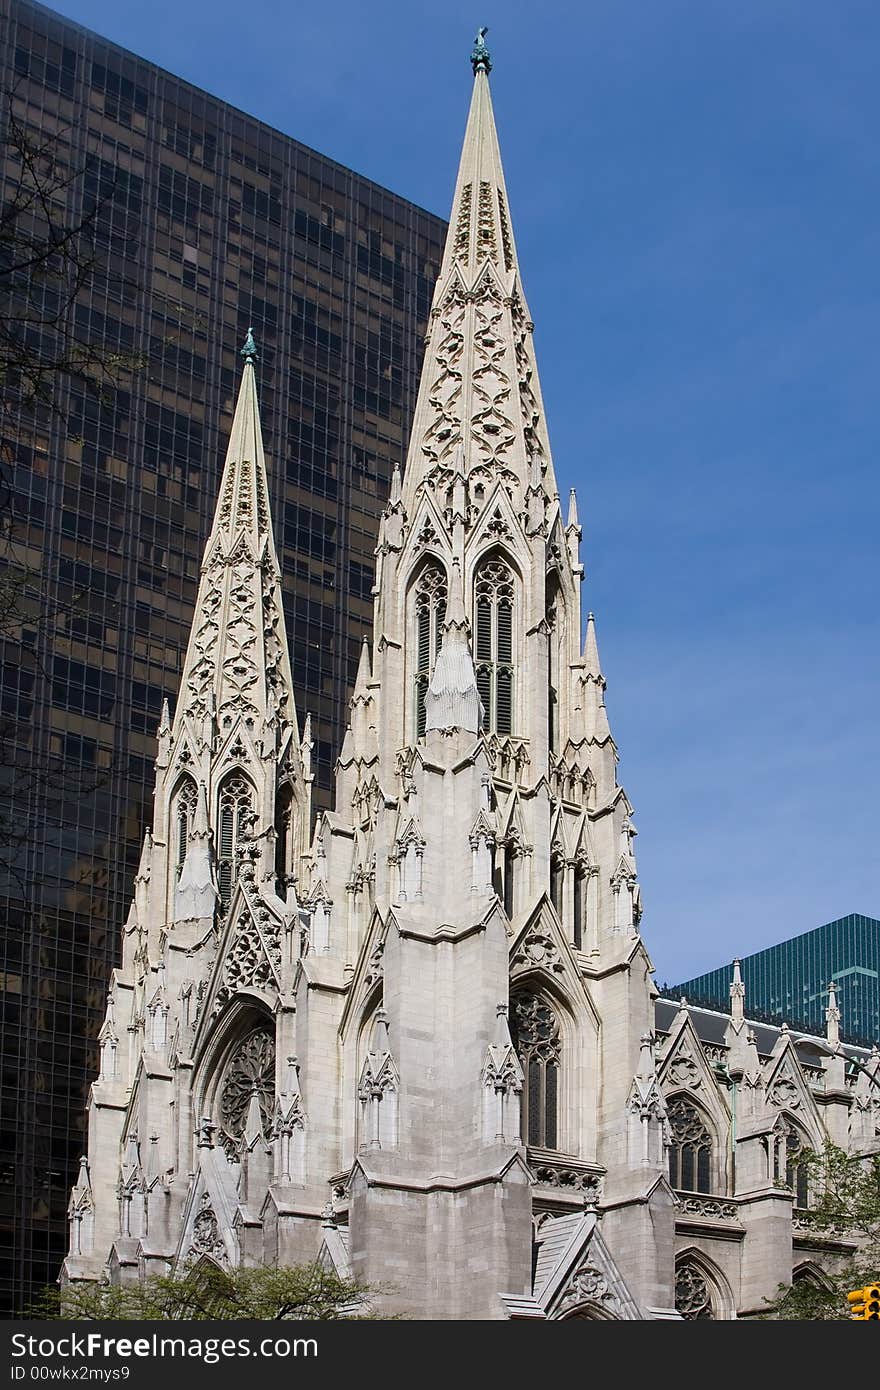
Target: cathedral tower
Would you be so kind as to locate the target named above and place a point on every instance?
(416, 1042)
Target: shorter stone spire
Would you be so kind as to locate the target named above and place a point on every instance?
(502, 1027)
(647, 1061)
(737, 996)
(592, 665)
(364, 675)
(142, 879)
(753, 1061)
(253, 1128)
(595, 714)
(380, 1042)
(452, 700)
(832, 1018)
(396, 486)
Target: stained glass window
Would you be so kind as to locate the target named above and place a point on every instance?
(535, 1031)
(690, 1153)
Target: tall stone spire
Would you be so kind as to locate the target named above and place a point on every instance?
(237, 662)
(479, 386)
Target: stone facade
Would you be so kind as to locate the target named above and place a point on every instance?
(423, 1043)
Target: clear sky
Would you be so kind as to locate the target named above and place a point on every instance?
(694, 188)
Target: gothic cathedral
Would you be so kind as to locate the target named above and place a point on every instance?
(421, 1043)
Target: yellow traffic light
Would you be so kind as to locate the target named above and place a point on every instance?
(864, 1304)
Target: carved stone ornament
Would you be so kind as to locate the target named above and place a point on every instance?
(710, 1208)
(567, 1178)
(587, 1285)
(784, 1094)
(692, 1297)
(207, 1239)
(536, 948)
(253, 961)
(250, 1068)
(683, 1071)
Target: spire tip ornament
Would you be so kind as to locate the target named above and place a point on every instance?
(249, 351)
(480, 60)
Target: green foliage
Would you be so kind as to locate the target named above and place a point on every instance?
(846, 1207)
(207, 1292)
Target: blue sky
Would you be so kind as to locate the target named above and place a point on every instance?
(694, 187)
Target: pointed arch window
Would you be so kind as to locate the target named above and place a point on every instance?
(536, 1038)
(690, 1152)
(494, 605)
(504, 875)
(236, 806)
(790, 1165)
(182, 820)
(430, 613)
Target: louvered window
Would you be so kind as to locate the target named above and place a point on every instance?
(283, 819)
(557, 870)
(493, 644)
(509, 898)
(430, 614)
(184, 815)
(235, 809)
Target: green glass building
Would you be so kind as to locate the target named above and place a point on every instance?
(789, 982)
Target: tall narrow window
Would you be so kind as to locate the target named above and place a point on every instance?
(508, 897)
(430, 614)
(552, 674)
(557, 871)
(184, 815)
(580, 902)
(690, 1153)
(283, 818)
(235, 809)
(535, 1033)
(493, 644)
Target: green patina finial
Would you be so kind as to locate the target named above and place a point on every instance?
(480, 60)
(249, 351)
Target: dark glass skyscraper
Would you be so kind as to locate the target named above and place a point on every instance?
(789, 982)
(208, 223)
